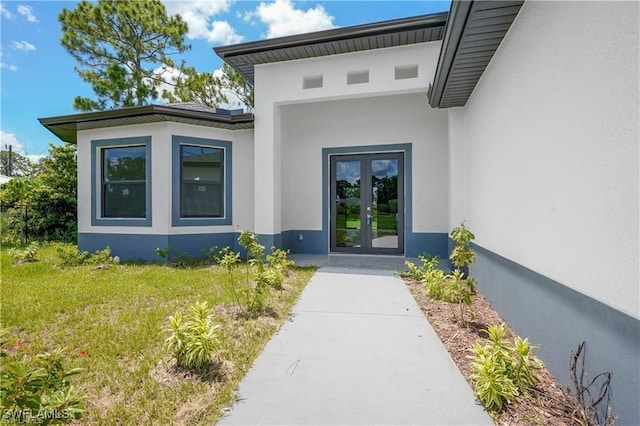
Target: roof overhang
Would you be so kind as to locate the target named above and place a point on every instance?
(419, 29)
(473, 33)
(66, 127)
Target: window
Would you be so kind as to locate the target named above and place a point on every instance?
(202, 180)
(121, 182)
(403, 72)
(357, 77)
(312, 81)
(124, 182)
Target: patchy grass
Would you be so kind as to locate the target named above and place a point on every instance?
(110, 322)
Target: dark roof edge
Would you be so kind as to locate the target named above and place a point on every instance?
(63, 125)
(335, 34)
(458, 16)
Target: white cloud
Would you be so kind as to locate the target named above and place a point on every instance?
(282, 18)
(223, 33)
(10, 67)
(23, 45)
(7, 139)
(27, 12)
(5, 12)
(199, 14)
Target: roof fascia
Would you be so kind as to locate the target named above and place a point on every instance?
(365, 30)
(326, 36)
(453, 32)
(63, 125)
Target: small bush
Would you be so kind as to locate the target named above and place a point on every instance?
(193, 340)
(71, 256)
(503, 369)
(256, 297)
(280, 259)
(461, 255)
(273, 276)
(37, 389)
(24, 255)
(419, 273)
(102, 257)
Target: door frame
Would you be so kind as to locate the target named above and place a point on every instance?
(366, 157)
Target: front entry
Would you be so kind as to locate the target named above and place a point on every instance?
(367, 203)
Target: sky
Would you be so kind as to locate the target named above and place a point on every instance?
(38, 78)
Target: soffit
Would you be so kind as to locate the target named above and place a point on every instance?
(419, 29)
(474, 31)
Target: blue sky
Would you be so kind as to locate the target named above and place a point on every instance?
(38, 78)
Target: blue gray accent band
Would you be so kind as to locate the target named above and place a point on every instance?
(143, 246)
(559, 318)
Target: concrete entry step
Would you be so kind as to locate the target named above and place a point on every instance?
(388, 263)
(358, 350)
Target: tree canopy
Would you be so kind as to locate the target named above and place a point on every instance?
(20, 164)
(203, 88)
(46, 203)
(210, 90)
(124, 49)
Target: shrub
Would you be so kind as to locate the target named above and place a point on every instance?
(419, 273)
(102, 257)
(37, 389)
(256, 297)
(503, 369)
(280, 258)
(273, 276)
(461, 255)
(26, 254)
(71, 256)
(194, 340)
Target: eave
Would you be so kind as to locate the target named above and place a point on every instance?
(398, 32)
(66, 127)
(474, 31)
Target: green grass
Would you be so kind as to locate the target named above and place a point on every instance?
(111, 320)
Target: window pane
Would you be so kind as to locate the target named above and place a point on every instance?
(124, 200)
(202, 171)
(201, 200)
(122, 164)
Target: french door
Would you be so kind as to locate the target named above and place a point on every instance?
(367, 203)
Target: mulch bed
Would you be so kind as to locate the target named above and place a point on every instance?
(548, 404)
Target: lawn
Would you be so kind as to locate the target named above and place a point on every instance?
(111, 321)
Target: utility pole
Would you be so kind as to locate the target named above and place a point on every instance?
(10, 163)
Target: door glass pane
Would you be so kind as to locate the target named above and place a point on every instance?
(348, 203)
(384, 203)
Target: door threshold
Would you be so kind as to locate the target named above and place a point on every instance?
(393, 256)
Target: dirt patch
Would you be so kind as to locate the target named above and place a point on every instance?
(548, 404)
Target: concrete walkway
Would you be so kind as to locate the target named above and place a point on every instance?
(358, 350)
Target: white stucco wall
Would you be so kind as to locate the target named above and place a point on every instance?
(550, 138)
(161, 142)
(281, 84)
(398, 119)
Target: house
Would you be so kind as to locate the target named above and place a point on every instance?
(520, 118)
